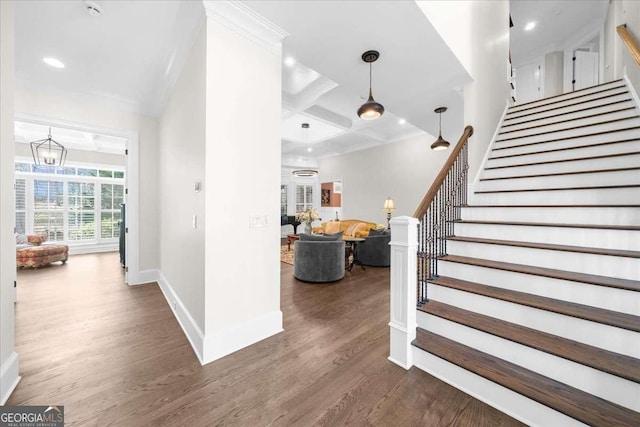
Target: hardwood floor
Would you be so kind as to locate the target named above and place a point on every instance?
(115, 355)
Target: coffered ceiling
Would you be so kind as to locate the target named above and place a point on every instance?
(132, 53)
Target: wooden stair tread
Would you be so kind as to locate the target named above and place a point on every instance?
(551, 224)
(616, 364)
(512, 110)
(611, 282)
(564, 138)
(554, 150)
(592, 187)
(577, 110)
(612, 82)
(567, 120)
(580, 311)
(548, 162)
(568, 400)
(549, 246)
(539, 175)
(546, 110)
(605, 122)
(550, 206)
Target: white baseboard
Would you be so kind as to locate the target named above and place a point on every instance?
(146, 276)
(511, 403)
(9, 377)
(189, 326)
(225, 342)
(92, 249)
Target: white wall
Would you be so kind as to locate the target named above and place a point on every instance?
(478, 34)
(91, 113)
(243, 171)
(403, 171)
(181, 147)
(618, 61)
(78, 156)
(8, 357)
(553, 73)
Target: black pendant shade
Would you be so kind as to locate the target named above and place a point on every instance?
(440, 143)
(371, 109)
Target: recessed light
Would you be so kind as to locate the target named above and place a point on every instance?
(289, 61)
(309, 149)
(530, 26)
(402, 121)
(53, 62)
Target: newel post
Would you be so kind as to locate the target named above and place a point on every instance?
(402, 324)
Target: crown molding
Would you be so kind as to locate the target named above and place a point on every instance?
(245, 21)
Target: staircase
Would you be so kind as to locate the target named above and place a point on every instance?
(539, 293)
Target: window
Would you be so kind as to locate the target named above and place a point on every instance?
(81, 223)
(21, 206)
(75, 205)
(304, 197)
(112, 196)
(48, 209)
(283, 200)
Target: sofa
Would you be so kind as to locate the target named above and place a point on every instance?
(30, 252)
(375, 250)
(319, 259)
(348, 227)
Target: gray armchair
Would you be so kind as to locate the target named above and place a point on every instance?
(318, 260)
(375, 251)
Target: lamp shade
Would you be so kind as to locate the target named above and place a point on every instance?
(371, 109)
(389, 205)
(440, 144)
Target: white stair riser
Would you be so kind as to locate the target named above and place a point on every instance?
(528, 411)
(628, 141)
(584, 95)
(519, 165)
(590, 380)
(543, 113)
(612, 196)
(614, 299)
(587, 237)
(625, 177)
(601, 265)
(553, 116)
(512, 133)
(596, 334)
(567, 215)
(596, 128)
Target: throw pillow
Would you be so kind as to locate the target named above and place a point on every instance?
(361, 230)
(21, 239)
(351, 231)
(317, 238)
(332, 227)
(337, 236)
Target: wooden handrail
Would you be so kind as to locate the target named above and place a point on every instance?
(630, 41)
(426, 201)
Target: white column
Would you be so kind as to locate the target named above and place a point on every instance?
(402, 324)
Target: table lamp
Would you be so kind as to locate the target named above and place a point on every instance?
(389, 206)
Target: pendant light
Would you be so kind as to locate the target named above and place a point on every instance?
(440, 143)
(371, 109)
(47, 152)
(306, 173)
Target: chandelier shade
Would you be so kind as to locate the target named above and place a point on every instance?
(48, 152)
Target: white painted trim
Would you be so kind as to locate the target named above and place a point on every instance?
(187, 323)
(131, 180)
(224, 342)
(92, 249)
(489, 148)
(511, 403)
(245, 21)
(9, 377)
(633, 92)
(148, 276)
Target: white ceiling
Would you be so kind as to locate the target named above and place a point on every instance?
(558, 23)
(131, 55)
